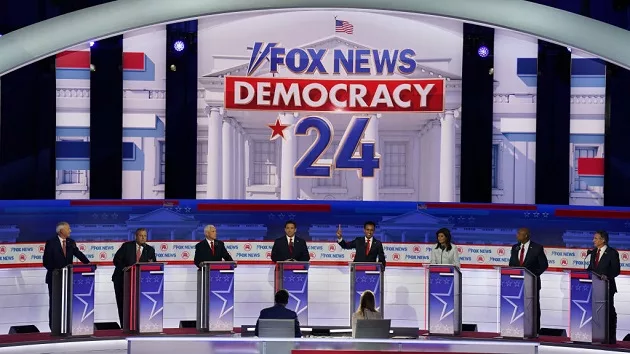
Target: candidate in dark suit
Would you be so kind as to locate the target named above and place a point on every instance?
(128, 254)
(368, 249)
(290, 247)
(58, 253)
(605, 262)
(211, 249)
(279, 311)
(530, 255)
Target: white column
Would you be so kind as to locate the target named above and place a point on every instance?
(228, 160)
(447, 156)
(370, 184)
(214, 178)
(240, 159)
(246, 162)
(288, 184)
(235, 157)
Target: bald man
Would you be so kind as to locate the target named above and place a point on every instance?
(531, 255)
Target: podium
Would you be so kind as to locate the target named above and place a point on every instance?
(73, 300)
(293, 277)
(445, 299)
(143, 301)
(215, 296)
(366, 276)
(518, 303)
(589, 307)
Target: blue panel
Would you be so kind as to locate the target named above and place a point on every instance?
(73, 131)
(587, 138)
(588, 81)
(136, 164)
(529, 137)
(72, 164)
(73, 74)
(593, 181)
(81, 150)
(527, 66)
(588, 66)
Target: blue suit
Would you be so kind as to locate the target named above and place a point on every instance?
(54, 259)
(279, 312)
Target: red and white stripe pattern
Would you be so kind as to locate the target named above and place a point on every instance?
(343, 27)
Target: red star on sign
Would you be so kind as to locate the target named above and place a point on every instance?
(277, 129)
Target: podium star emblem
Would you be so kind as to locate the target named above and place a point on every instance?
(229, 299)
(158, 302)
(515, 314)
(587, 316)
(445, 304)
(88, 306)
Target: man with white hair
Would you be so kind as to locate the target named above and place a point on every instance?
(211, 249)
(58, 253)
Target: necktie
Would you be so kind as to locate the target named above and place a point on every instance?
(63, 247)
(367, 247)
(138, 254)
(522, 258)
(291, 245)
(212, 247)
(597, 258)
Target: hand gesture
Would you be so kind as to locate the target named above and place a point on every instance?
(339, 235)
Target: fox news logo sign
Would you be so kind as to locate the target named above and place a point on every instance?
(333, 95)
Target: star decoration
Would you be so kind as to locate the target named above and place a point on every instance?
(87, 304)
(515, 314)
(298, 301)
(445, 305)
(226, 300)
(158, 301)
(585, 310)
(277, 129)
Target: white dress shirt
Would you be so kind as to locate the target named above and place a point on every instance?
(210, 243)
(289, 239)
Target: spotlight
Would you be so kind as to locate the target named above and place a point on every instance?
(179, 46)
(91, 44)
(483, 51)
(173, 67)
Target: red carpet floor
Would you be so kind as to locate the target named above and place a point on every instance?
(31, 338)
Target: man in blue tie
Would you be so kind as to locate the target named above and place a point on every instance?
(58, 253)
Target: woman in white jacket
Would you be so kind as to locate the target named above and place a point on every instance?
(444, 252)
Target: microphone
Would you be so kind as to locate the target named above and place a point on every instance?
(588, 253)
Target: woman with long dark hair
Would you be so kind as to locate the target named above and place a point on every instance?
(366, 311)
(444, 252)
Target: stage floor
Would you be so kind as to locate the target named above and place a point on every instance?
(189, 341)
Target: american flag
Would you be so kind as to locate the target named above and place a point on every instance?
(343, 26)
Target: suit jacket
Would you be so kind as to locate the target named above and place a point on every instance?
(126, 256)
(376, 250)
(535, 260)
(279, 312)
(280, 251)
(608, 265)
(204, 254)
(54, 258)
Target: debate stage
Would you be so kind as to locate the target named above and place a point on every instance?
(178, 340)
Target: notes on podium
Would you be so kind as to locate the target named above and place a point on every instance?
(215, 297)
(143, 302)
(589, 307)
(73, 300)
(366, 276)
(519, 299)
(293, 277)
(445, 299)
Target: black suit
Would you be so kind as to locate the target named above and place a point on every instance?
(54, 259)
(279, 312)
(126, 257)
(280, 251)
(204, 254)
(376, 250)
(536, 262)
(609, 266)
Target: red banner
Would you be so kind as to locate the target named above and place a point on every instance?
(322, 95)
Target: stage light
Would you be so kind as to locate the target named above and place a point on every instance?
(91, 44)
(179, 46)
(483, 51)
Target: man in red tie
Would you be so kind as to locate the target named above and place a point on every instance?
(368, 248)
(290, 247)
(211, 249)
(531, 255)
(605, 262)
(130, 253)
(58, 253)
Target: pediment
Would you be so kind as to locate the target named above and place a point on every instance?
(161, 215)
(414, 217)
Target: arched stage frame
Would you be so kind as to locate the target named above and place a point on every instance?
(49, 37)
